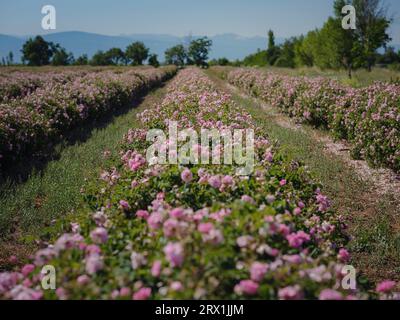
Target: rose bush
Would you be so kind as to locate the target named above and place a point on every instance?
(30, 123)
(369, 118)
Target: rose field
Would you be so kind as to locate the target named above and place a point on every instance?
(189, 230)
(36, 108)
(369, 118)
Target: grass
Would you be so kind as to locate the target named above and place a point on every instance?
(28, 208)
(375, 240)
(361, 77)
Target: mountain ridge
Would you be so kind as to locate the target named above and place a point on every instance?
(231, 46)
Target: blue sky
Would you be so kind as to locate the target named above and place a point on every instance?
(176, 17)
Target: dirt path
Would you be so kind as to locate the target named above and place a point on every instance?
(368, 198)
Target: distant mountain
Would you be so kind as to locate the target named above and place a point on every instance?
(230, 46)
(10, 43)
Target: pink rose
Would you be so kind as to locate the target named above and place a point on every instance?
(176, 286)
(330, 294)
(83, 280)
(94, 263)
(385, 286)
(215, 182)
(344, 255)
(142, 214)
(156, 269)
(258, 271)
(186, 175)
(124, 205)
(155, 221)
(99, 235)
(247, 287)
(205, 227)
(174, 254)
(142, 294)
(27, 269)
(290, 293)
(177, 213)
(227, 180)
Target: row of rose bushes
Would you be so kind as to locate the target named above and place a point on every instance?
(369, 118)
(196, 231)
(20, 84)
(29, 124)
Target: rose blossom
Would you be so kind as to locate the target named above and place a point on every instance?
(174, 254)
(258, 271)
(124, 205)
(330, 294)
(205, 227)
(385, 286)
(248, 287)
(142, 294)
(144, 214)
(99, 235)
(290, 293)
(186, 175)
(156, 269)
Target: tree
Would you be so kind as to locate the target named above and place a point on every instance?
(198, 51)
(61, 57)
(272, 50)
(100, 59)
(256, 59)
(286, 58)
(389, 57)
(176, 55)
(220, 62)
(37, 52)
(372, 26)
(10, 59)
(116, 56)
(331, 47)
(137, 53)
(153, 61)
(341, 47)
(302, 53)
(82, 60)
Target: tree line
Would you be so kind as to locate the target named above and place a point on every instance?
(332, 46)
(38, 52)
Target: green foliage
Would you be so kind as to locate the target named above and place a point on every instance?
(116, 56)
(333, 47)
(256, 59)
(273, 51)
(153, 61)
(219, 62)
(137, 53)
(37, 52)
(100, 59)
(176, 55)
(302, 53)
(372, 27)
(389, 57)
(198, 51)
(82, 60)
(62, 58)
(287, 54)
